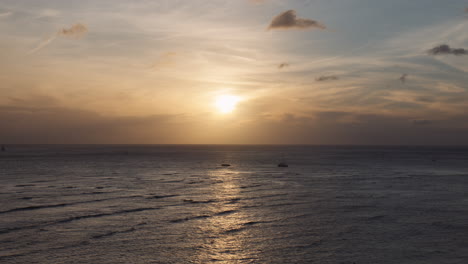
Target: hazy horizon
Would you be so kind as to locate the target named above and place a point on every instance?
(246, 72)
(227, 144)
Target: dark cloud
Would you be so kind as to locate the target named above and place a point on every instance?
(325, 78)
(289, 20)
(421, 122)
(75, 31)
(283, 65)
(403, 78)
(425, 99)
(66, 126)
(334, 127)
(22, 124)
(445, 49)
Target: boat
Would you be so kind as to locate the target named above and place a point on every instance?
(225, 165)
(283, 165)
(3, 148)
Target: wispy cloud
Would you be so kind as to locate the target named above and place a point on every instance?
(6, 14)
(257, 1)
(166, 59)
(445, 49)
(289, 20)
(324, 78)
(48, 13)
(43, 43)
(76, 31)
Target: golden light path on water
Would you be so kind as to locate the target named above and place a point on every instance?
(226, 241)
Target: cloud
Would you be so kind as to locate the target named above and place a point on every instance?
(447, 87)
(403, 78)
(76, 31)
(43, 43)
(344, 127)
(283, 65)
(289, 20)
(421, 122)
(446, 49)
(425, 99)
(48, 13)
(324, 78)
(65, 125)
(5, 14)
(165, 60)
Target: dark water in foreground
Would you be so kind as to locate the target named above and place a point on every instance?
(176, 204)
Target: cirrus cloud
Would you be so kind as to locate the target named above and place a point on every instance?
(76, 31)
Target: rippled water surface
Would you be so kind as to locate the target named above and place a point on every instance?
(177, 204)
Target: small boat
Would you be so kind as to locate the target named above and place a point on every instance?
(225, 165)
(283, 165)
(3, 148)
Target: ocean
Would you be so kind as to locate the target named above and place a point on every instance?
(177, 204)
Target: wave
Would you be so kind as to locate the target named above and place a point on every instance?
(37, 207)
(162, 196)
(198, 202)
(245, 226)
(112, 233)
(202, 216)
(77, 218)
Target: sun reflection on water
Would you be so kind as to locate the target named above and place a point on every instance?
(226, 240)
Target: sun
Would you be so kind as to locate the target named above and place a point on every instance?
(226, 103)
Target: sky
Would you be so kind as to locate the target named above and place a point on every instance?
(367, 72)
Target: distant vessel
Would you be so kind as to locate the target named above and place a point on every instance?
(225, 165)
(283, 164)
(3, 148)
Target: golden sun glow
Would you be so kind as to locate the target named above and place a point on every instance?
(226, 103)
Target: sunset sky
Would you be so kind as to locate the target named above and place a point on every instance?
(234, 72)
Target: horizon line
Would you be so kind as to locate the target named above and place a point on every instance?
(232, 144)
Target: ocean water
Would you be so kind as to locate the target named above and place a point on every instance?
(176, 204)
